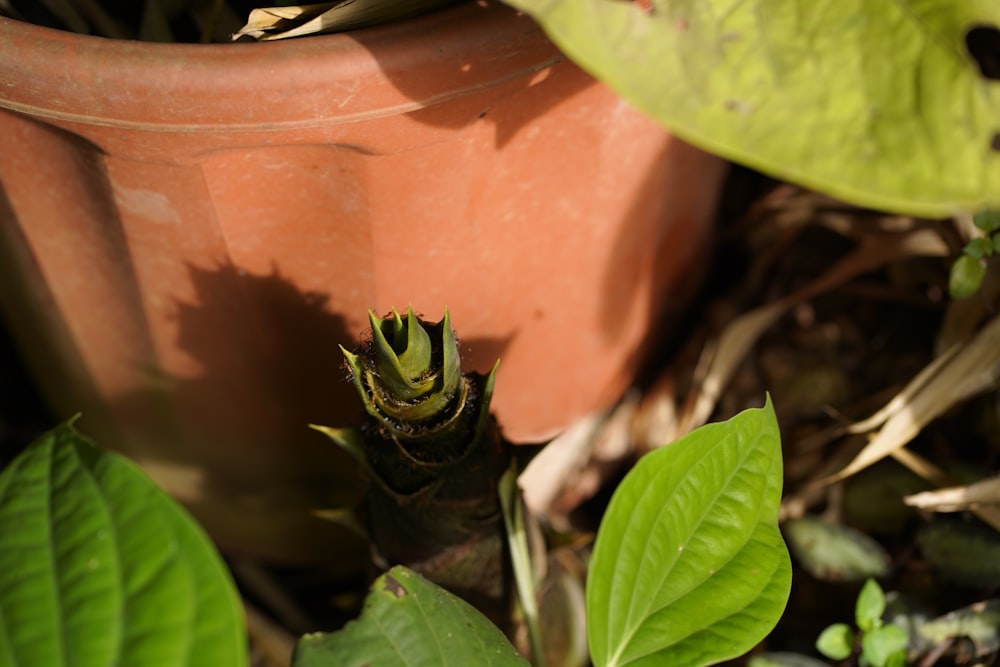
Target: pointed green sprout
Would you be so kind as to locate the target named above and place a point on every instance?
(404, 363)
(412, 373)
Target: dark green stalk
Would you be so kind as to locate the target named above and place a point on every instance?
(434, 456)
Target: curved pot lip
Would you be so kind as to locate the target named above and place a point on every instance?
(284, 84)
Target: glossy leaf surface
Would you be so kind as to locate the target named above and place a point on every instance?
(689, 567)
(892, 105)
(98, 567)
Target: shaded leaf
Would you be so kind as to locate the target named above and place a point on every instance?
(963, 553)
(987, 219)
(835, 552)
(865, 101)
(966, 277)
(409, 621)
(689, 567)
(980, 622)
(98, 567)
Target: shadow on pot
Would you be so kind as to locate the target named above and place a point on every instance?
(490, 55)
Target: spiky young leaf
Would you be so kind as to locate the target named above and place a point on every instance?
(412, 372)
(689, 567)
(98, 567)
(403, 357)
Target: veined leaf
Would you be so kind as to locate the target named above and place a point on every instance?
(689, 567)
(409, 621)
(98, 567)
(892, 105)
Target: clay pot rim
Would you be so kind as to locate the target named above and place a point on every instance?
(285, 84)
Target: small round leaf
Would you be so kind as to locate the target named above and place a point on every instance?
(836, 642)
(966, 277)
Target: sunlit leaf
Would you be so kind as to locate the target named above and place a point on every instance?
(891, 105)
(689, 567)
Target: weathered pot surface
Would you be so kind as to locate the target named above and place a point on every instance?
(190, 231)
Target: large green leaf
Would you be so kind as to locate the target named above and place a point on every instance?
(879, 103)
(689, 567)
(98, 567)
(409, 621)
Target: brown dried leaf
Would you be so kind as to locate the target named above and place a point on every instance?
(722, 359)
(958, 498)
(968, 370)
(271, 23)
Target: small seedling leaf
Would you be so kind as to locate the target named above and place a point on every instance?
(884, 646)
(978, 248)
(836, 642)
(966, 277)
(987, 219)
(870, 606)
(99, 567)
(689, 567)
(409, 621)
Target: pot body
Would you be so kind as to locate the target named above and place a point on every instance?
(188, 233)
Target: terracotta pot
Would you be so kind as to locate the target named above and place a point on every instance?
(189, 231)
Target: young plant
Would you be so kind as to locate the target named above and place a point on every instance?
(882, 644)
(968, 270)
(433, 458)
(688, 568)
(98, 567)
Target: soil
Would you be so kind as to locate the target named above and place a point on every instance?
(827, 362)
